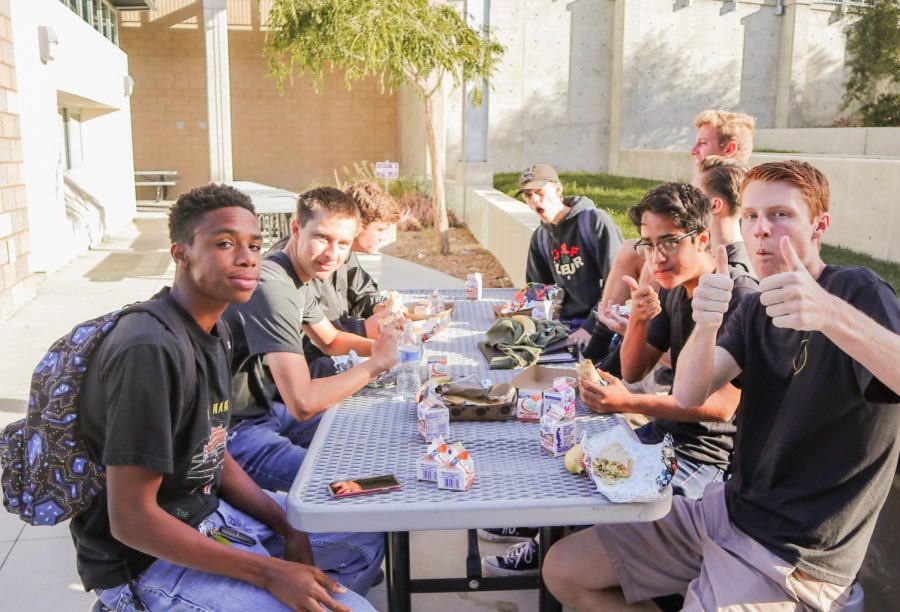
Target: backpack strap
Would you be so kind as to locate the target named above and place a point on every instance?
(165, 314)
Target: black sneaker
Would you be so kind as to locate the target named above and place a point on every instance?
(508, 534)
(520, 560)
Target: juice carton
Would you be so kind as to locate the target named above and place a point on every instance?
(557, 432)
(529, 404)
(437, 366)
(561, 394)
(434, 419)
(458, 471)
(428, 464)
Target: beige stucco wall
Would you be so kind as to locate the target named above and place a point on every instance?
(288, 140)
(15, 242)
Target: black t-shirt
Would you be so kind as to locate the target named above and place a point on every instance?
(817, 434)
(268, 323)
(709, 442)
(135, 410)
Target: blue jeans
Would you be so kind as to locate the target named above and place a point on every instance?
(271, 448)
(353, 560)
(691, 477)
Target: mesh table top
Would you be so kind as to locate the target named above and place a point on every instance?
(516, 483)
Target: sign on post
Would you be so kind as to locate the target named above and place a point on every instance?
(387, 171)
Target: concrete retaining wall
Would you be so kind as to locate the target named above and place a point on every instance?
(864, 211)
(881, 142)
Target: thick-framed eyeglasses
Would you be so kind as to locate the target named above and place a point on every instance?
(667, 246)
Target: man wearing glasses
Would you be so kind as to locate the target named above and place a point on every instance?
(573, 248)
(674, 221)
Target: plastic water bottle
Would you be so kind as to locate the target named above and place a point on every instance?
(436, 302)
(410, 350)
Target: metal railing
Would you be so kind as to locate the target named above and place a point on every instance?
(100, 14)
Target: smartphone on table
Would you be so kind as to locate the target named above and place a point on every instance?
(364, 486)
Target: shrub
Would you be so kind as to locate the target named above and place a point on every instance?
(883, 112)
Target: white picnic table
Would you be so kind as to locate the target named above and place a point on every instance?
(516, 483)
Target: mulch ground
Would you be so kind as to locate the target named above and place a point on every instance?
(466, 255)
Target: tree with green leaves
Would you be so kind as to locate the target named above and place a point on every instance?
(414, 42)
(873, 57)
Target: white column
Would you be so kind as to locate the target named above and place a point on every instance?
(792, 58)
(218, 90)
(474, 168)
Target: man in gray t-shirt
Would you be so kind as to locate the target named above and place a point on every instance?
(276, 403)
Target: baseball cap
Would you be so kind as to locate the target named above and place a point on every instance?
(536, 176)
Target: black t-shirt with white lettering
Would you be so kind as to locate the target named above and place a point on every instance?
(268, 323)
(817, 435)
(708, 442)
(135, 410)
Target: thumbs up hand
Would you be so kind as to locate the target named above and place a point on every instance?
(644, 301)
(713, 293)
(794, 299)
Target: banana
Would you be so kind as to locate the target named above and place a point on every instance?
(575, 459)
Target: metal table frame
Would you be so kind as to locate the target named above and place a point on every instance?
(370, 433)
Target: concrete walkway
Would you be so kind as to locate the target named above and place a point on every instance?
(37, 564)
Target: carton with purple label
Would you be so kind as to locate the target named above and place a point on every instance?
(434, 419)
(557, 431)
(562, 394)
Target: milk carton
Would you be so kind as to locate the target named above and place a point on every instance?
(562, 394)
(474, 283)
(529, 404)
(428, 464)
(458, 471)
(557, 432)
(434, 419)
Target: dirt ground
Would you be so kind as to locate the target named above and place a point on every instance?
(466, 255)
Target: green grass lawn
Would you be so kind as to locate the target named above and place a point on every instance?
(616, 194)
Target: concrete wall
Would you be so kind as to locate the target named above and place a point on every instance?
(70, 210)
(16, 284)
(786, 70)
(880, 142)
(289, 140)
(550, 98)
(864, 212)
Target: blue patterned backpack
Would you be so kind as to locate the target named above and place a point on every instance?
(48, 475)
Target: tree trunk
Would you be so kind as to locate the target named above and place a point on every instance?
(441, 223)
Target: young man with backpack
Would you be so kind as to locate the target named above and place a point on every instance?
(573, 248)
(179, 523)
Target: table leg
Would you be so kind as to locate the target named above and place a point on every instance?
(549, 535)
(399, 596)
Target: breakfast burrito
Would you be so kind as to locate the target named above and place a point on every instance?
(613, 464)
